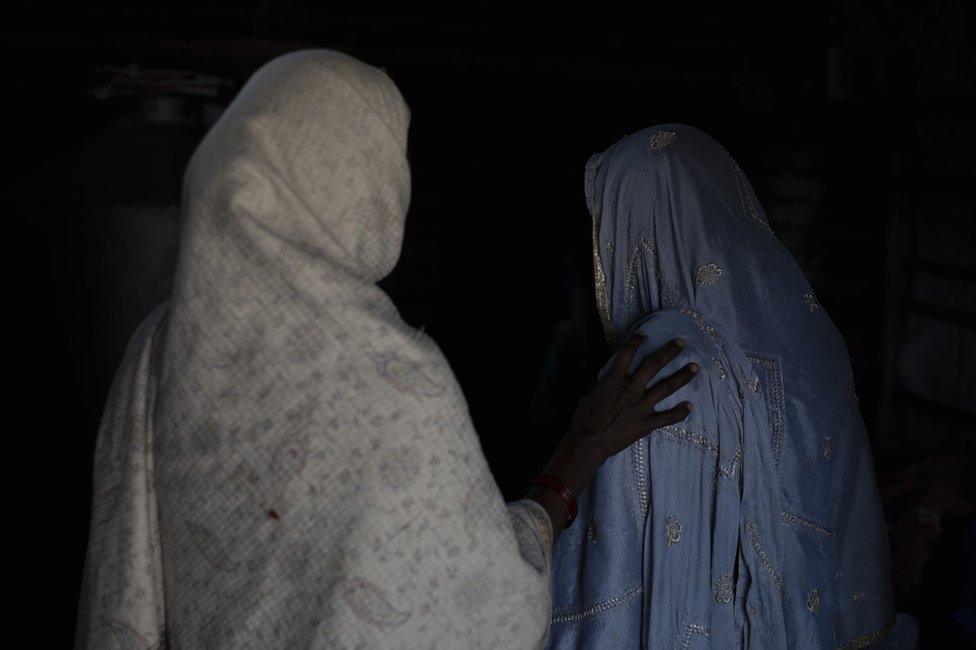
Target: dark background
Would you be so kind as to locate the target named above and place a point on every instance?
(855, 121)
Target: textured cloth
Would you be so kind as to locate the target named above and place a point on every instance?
(122, 601)
(318, 479)
(756, 522)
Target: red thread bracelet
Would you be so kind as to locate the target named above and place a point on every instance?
(557, 486)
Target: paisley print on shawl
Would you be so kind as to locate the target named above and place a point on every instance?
(105, 503)
(477, 500)
(127, 638)
(369, 604)
(296, 348)
(210, 548)
(406, 375)
(473, 593)
(215, 350)
(289, 458)
(400, 467)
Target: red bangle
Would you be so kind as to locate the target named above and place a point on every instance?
(557, 486)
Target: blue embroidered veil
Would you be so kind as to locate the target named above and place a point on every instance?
(756, 522)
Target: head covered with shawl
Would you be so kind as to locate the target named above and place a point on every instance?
(758, 518)
(317, 477)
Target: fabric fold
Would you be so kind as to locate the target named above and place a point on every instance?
(762, 517)
(318, 478)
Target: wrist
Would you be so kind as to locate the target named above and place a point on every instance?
(583, 451)
(553, 504)
(575, 463)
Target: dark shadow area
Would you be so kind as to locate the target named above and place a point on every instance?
(855, 123)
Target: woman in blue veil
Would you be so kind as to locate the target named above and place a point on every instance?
(756, 522)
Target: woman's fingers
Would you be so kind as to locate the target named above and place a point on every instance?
(671, 416)
(648, 422)
(626, 354)
(652, 365)
(669, 385)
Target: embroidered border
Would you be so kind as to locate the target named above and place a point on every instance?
(776, 401)
(576, 615)
(867, 639)
(730, 472)
(763, 557)
(797, 520)
(748, 207)
(640, 479)
(600, 280)
(683, 435)
(703, 443)
(644, 246)
(699, 319)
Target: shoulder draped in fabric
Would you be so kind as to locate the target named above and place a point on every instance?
(757, 517)
(318, 479)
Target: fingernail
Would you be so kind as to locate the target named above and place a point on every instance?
(693, 367)
(679, 342)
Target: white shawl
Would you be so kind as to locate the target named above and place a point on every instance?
(318, 479)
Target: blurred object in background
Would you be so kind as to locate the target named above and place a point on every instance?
(931, 506)
(110, 210)
(928, 381)
(113, 81)
(928, 403)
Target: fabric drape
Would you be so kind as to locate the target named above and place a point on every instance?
(316, 475)
(756, 522)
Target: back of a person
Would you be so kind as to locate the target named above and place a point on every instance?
(770, 534)
(284, 463)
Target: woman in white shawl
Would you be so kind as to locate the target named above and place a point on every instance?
(283, 463)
